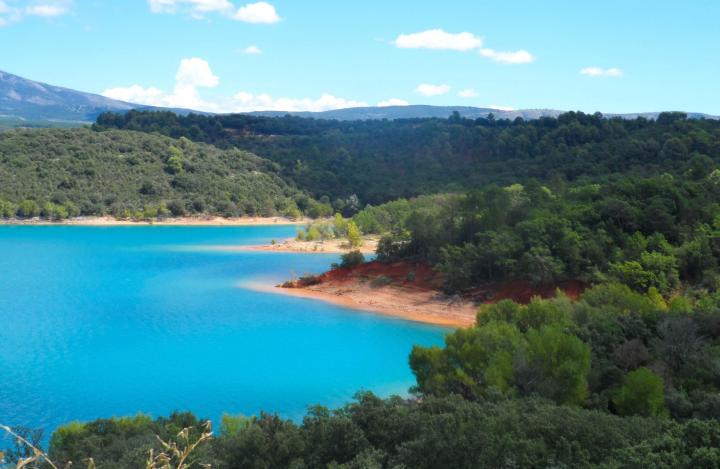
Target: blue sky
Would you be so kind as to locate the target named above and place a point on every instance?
(611, 56)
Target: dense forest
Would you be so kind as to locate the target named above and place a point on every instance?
(59, 173)
(660, 232)
(379, 161)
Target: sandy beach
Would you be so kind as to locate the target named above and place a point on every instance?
(413, 305)
(402, 290)
(411, 291)
(330, 246)
(179, 221)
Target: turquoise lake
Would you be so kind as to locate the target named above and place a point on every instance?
(103, 321)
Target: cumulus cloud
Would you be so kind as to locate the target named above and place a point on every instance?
(137, 94)
(16, 11)
(601, 72)
(260, 12)
(246, 102)
(195, 73)
(438, 39)
(393, 102)
(252, 50)
(427, 89)
(508, 57)
(468, 93)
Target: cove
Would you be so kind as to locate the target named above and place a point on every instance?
(109, 321)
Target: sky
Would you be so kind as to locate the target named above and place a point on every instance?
(295, 55)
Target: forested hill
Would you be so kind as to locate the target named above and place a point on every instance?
(660, 232)
(57, 173)
(384, 160)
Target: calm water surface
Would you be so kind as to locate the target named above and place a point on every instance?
(103, 321)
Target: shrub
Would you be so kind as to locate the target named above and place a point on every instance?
(642, 393)
(351, 259)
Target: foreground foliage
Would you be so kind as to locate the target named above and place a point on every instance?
(395, 433)
(614, 350)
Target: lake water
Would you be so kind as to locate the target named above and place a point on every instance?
(103, 321)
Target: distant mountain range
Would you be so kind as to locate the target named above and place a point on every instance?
(31, 101)
(28, 103)
(415, 111)
(421, 110)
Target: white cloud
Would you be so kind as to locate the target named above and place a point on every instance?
(500, 108)
(601, 72)
(468, 93)
(15, 11)
(194, 7)
(252, 50)
(137, 94)
(427, 89)
(195, 73)
(508, 57)
(260, 12)
(438, 39)
(393, 102)
(246, 102)
(46, 10)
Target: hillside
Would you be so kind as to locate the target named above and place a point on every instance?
(61, 172)
(383, 160)
(659, 232)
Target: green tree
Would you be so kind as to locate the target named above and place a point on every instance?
(28, 209)
(642, 393)
(352, 259)
(7, 209)
(340, 225)
(354, 236)
(174, 164)
(540, 266)
(555, 365)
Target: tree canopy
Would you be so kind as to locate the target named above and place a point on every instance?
(58, 173)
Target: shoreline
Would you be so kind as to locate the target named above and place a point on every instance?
(410, 291)
(177, 221)
(331, 246)
(419, 306)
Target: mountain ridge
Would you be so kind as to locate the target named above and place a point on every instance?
(419, 111)
(22, 99)
(30, 103)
